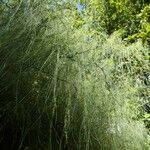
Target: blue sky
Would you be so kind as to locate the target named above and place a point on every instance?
(80, 7)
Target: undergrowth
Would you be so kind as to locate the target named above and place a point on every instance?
(67, 88)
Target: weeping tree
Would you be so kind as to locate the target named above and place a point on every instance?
(64, 87)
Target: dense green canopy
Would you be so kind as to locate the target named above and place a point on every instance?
(74, 75)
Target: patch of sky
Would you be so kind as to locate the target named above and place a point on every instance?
(80, 7)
